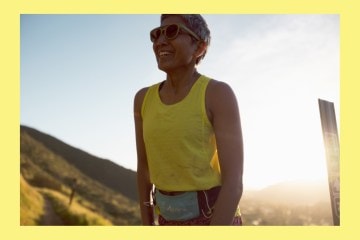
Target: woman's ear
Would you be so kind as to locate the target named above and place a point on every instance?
(201, 49)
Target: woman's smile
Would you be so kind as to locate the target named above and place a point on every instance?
(164, 53)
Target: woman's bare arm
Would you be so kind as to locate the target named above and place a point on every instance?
(143, 179)
(224, 114)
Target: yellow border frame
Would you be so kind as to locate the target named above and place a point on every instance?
(10, 103)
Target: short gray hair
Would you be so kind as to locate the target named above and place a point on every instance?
(198, 25)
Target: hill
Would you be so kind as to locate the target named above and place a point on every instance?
(50, 166)
(294, 193)
(102, 170)
(288, 204)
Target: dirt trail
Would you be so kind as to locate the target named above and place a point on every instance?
(50, 217)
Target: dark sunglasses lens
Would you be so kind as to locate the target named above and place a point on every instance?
(155, 34)
(171, 31)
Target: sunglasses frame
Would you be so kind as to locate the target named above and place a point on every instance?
(179, 28)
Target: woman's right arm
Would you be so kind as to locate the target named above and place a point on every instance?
(143, 178)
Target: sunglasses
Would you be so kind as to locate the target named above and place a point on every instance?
(170, 32)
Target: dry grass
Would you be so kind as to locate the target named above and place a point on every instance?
(31, 204)
(76, 214)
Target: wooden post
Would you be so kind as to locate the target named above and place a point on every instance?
(332, 151)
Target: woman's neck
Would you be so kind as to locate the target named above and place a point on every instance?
(180, 80)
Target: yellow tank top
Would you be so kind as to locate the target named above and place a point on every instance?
(180, 141)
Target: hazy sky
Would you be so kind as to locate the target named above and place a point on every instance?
(79, 75)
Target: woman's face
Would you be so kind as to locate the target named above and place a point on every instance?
(175, 54)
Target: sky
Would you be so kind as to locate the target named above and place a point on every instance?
(79, 75)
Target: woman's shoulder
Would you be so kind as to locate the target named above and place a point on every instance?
(138, 101)
(220, 96)
(139, 96)
(141, 93)
(218, 88)
(221, 104)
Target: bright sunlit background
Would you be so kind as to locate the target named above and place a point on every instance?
(79, 75)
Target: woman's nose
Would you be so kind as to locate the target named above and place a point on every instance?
(161, 39)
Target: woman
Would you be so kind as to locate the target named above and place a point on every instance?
(187, 130)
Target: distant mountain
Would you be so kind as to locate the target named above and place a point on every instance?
(101, 186)
(293, 193)
(288, 204)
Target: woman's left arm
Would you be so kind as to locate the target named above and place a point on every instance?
(224, 115)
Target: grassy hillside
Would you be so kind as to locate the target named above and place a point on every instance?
(104, 171)
(31, 204)
(46, 170)
(77, 213)
(41, 206)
